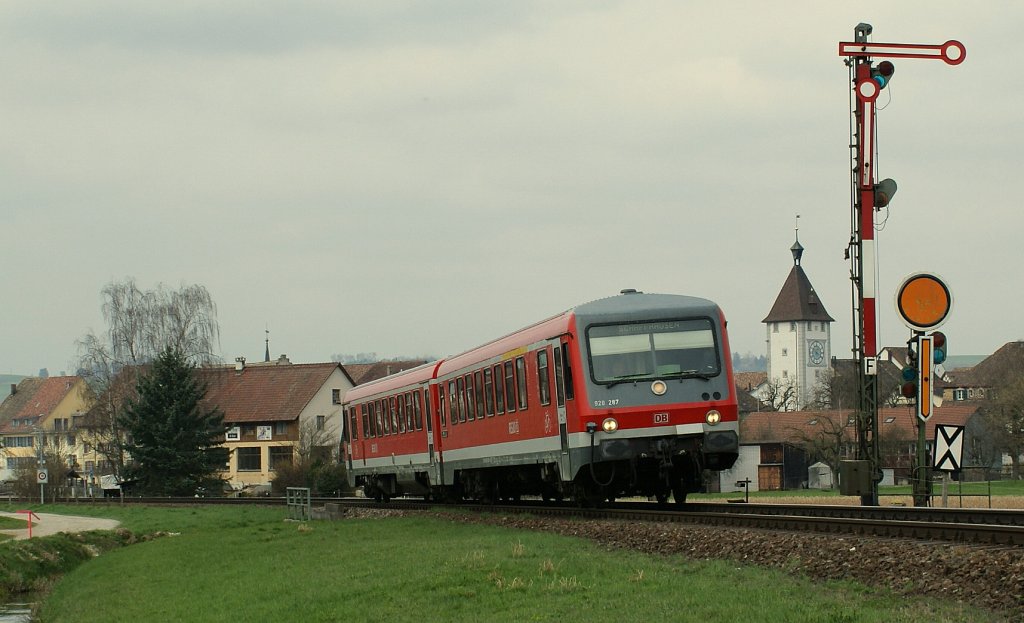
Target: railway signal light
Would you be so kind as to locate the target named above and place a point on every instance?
(884, 191)
(883, 73)
(910, 373)
(939, 346)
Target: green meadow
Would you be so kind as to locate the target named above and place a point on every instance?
(250, 564)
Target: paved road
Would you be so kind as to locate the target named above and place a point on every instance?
(50, 523)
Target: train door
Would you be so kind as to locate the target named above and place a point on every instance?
(433, 456)
(563, 424)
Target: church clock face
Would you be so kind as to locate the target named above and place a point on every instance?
(816, 352)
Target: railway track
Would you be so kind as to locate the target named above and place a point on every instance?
(969, 526)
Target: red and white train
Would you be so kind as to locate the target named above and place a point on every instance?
(627, 395)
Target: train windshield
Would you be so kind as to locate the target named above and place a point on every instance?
(653, 350)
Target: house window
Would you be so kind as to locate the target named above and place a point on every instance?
(320, 421)
(785, 374)
(336, 396)
(775, 327)
(280, 428)
(280, 455)
(792, 326)
(249, 459)
(785, 352)
(960, 394)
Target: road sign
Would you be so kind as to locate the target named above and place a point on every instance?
(949, 447)
(42, 475)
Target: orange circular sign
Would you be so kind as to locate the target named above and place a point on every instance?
(923, 301)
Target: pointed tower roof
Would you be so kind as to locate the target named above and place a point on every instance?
(797, 300)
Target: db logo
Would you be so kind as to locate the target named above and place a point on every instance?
(661, 418)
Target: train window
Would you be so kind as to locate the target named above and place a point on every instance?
(394, 416)
(442, 408)
(373, 421)
(510, 387)
(521, 381)
(351, 432)
(462, 399)
(543, 380)
(399, 411)
(570, 393)
(417, 410)
(366, 421)
(410, 415)
(499, 389)
(382, 419)
(559, 379)
(489, 390)
(470, 399)
(479, 387)
(639, 351)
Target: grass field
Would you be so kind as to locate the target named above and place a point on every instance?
(248, 564)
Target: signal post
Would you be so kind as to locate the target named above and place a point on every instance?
(923, 302)
(867, 197)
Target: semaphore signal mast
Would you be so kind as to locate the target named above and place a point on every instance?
(867, 196)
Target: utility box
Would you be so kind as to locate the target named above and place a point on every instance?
(855, 478)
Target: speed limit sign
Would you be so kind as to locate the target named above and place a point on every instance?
(43, 476)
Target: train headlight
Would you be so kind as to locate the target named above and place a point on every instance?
(610, 425)
(659, 388)
(713, 417)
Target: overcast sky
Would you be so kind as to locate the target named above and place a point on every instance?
(418, 178)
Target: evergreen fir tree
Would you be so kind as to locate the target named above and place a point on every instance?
(175, 444)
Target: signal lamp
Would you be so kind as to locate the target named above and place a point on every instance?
(909, 390)
(883, 73)
(884, 191)
(909, 373)
(713, 417)
(939, 346)
(610, 425)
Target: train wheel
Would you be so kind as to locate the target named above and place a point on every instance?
(679, 494)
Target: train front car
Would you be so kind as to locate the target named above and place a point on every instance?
(656, 403)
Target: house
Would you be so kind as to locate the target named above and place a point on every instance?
(778, 448)
(275, 411)
(42, 416)
(980, 382)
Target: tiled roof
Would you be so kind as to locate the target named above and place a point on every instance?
(264, 393)
(749, 381)
(34, 399)
(999, 368)
(366, 372)
(893, 423)
(797, 300)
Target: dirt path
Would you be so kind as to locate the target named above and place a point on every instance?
(49, 523)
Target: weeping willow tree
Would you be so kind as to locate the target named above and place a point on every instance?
(140, 324)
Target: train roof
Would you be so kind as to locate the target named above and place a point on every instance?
(627, 303)
(406, 378)
(633, 303)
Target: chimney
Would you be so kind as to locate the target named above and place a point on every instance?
(14, 388)
(239, 364)
(282, 360)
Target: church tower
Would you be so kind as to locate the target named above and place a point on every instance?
(799, 339)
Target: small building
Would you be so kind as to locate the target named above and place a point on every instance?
(274, 412)
(819, 476)
(42, 416)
